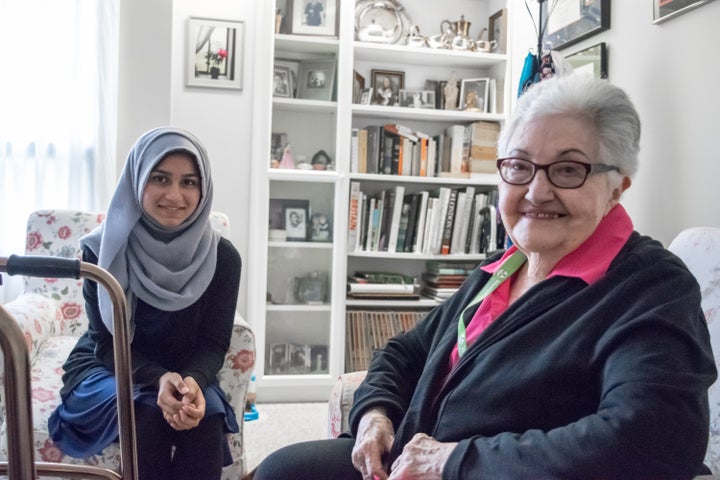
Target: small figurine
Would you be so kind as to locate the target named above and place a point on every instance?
(320, 160)
(287, 160)
(451, 92)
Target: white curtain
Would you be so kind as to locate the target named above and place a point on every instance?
(58, 104)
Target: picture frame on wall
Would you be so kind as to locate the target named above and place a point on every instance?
(591, 60)
(316, 80)
(214, 53)
(474, 94)
(497, 26)
(313, 17)
(572, 21)
(386, 85)
(667, 9)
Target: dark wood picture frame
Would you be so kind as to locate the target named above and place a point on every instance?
(594, 17)
(388, 96)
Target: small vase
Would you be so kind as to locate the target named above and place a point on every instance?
(214, 72)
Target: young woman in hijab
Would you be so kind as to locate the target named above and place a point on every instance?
(181, 280)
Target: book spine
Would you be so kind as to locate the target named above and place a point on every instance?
(448, 225)
(374, 152)
(354, 150)
(387, 152)
(396, 200)
(362, 150)
(420, 228)
(353, 218)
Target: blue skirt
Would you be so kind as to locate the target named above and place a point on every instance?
(86, 422)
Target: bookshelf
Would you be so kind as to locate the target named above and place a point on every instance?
(276, 265)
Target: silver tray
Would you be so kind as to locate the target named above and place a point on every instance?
(381, 21)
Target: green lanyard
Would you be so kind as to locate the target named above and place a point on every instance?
(506, 270)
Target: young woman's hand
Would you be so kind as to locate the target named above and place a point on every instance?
(375, 437)
(181, 401)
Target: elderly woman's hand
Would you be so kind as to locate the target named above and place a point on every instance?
(374, 439)
(423, 458)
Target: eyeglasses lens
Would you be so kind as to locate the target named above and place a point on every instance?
(518, 171)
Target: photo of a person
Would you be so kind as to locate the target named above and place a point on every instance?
(296, 224)
(316, 79)
(281, 83)
(314, 10)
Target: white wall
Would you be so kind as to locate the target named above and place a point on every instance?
(670, 72)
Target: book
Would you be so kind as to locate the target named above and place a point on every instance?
(388, 143)
(374, 148)
(420, 227)
(353, 217)
(396, 197)
(402, 235)
(465, 211)
(354, 150)
(448, 224)
(362, 150)
(456, 143)
(483, 146)
(413, 202)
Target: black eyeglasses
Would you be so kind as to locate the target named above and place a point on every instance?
(563, 174)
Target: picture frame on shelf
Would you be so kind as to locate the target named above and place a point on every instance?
(591, 60)
(358, 86)
(314, 17)
(366, 96)
(311, 289)
(417, 98)
(214, 53)
(320, 227)
(474, 94)
(664, 10)
(497, 28)
(296, 216)
(386, 86)
(316, 80)
(282, 82)
(572, 21)
(294, 66)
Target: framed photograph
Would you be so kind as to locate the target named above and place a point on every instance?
(366, 96)
(316, 80)
(574, 20)
(498, 31)
(417, 99)
(474, 94)
(320, 227)
(294, 67)
(592, 60)
(666, 9)
(386, 86)
(296, 217)
(282, 82)
(214, 53)
(314, 17)
(358, 86)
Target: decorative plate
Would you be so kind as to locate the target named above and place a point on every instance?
(381, 21)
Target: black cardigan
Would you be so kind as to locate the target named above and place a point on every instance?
(571, 381)
(192, 341)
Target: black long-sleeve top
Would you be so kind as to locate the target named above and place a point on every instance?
(192, 341)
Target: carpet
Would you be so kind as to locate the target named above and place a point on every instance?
(281, 424)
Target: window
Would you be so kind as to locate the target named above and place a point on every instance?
(58, 91)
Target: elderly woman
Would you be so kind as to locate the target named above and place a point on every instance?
(580, 352)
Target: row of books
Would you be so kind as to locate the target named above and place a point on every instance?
(296, 359)
(395, 149)
(368, 330)
(442, 279)
(440, 222)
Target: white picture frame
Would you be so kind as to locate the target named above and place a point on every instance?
(476, 88)
(317, 80)
(214, 53)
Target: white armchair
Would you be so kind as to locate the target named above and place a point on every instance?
(51, 315)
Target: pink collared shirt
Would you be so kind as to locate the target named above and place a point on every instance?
(588, 262)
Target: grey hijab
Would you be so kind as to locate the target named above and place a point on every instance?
(168, 268)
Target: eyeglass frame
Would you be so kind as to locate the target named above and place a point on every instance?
(590, 168)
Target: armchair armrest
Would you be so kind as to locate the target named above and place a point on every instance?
(341, 400)
(37, 316)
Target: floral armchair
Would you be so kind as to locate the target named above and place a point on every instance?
(51, 314)
(699, 248)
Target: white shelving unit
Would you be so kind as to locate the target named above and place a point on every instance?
(313, 125)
